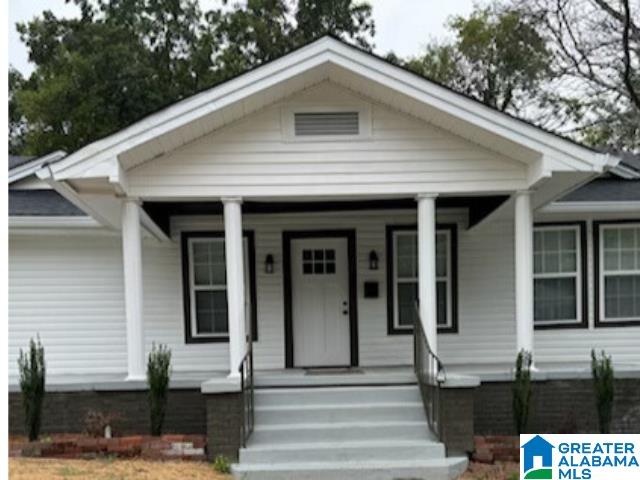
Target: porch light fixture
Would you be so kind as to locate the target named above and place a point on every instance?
(373, 260)
(268, 264)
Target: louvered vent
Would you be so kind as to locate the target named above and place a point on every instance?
(326, 123)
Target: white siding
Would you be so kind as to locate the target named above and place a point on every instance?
(69, 290)
(256, 156)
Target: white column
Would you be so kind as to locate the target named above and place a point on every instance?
(427, 267)
(132, 263)
(235, 281)
(524, 271)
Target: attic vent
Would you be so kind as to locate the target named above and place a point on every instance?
(327, 123)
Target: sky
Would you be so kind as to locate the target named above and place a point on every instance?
(402, 26)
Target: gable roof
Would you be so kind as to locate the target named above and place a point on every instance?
(23, 166)
(41, 203)
(325, 58)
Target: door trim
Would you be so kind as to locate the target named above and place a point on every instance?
(287, 237)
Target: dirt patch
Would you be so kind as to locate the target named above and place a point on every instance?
(55, 469)
(499, 471)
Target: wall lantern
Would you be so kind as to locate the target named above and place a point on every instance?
(268, 264)
(373, 260)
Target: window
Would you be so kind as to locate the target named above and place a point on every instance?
(557, 273)
(618, 267)
(318, 262)
(402, 265)
(205, 286)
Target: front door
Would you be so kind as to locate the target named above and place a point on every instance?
(320, 301)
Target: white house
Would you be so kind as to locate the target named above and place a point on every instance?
(309, 204)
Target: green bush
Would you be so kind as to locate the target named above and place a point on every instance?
(158, 373)
(221, 464)
(522, 391)
(603, 384)
(32, 378)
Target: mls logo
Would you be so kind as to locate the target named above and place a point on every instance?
(536, 459)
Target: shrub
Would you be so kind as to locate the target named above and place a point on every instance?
(95, 423)
(32, 378)
(603, 383)
(522, 391)
(221, 464)
(158, 372)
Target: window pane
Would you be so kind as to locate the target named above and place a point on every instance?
(622, 296)
(441, 295)
(441, 255)
(208, 262)
(407, 296)
(555, 299)
(407, 255)
(555, 251)
(621, 249)
(211, 311)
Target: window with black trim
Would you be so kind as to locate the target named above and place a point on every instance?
(205, 286)
(618, 277)
(558, 271)
(402, 277)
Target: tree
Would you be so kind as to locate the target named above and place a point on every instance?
(123, 59)
(16, 120)
(497, 57)
(595, 47)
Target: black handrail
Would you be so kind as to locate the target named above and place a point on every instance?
(247, 390)
(430, 374)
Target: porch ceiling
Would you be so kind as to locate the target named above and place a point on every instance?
(478, 207)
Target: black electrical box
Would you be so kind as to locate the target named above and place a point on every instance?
(370, 289)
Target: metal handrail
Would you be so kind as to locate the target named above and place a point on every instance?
(430, 374)
(247, 391)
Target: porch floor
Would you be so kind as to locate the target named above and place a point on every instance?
(299, 377)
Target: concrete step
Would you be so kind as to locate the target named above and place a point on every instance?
(364, 450)
(336, 395)
(340, 432)
(437, 469)
(338, 413)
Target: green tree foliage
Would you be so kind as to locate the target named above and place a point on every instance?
(603, 384)
(158, 373)
(521, 391)
(497, 57)
(123, 59)
(32, 379)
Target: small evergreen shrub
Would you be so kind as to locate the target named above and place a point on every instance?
(522, 391)
(32, 378)
(221, 464)
(158, 373)
(603, 384)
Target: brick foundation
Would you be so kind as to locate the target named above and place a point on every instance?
(224, 422)
(558, 406)
(64, 412)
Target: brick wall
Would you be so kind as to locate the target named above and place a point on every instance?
(64, 412)
(558, 406)
(224, 421)
(457, 419)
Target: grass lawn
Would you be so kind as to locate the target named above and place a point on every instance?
(107, 469)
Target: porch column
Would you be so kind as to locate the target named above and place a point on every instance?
(427, 267)
(132, 263)
(235, 281)
(524, 270)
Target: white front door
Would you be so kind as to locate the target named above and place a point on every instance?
(320, 302)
